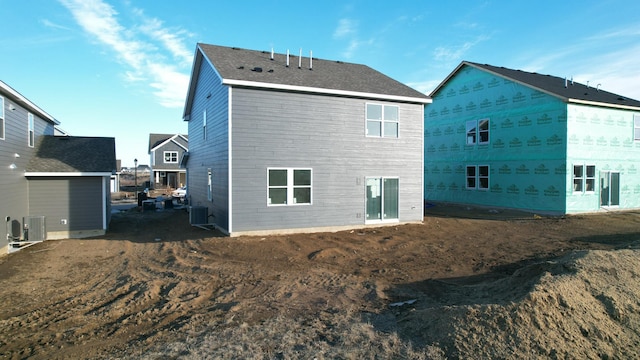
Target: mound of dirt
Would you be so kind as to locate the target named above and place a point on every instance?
(467, 283)
(583, 305)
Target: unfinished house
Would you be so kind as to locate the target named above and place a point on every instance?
(513, 139)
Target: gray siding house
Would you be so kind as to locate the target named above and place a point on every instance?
(282, 143)
(27, 188)
(165, 154)
(69, 184)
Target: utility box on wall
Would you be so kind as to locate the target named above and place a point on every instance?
(34, 228)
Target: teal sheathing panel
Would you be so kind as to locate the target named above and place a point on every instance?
(526, 151)
(604, 138)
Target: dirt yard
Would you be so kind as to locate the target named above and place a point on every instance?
(467, 283)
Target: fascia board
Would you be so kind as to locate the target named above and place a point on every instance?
(307, 89)
(171, 139)
(601, 104)
(67, 174)
(27, 102)
(195, 76)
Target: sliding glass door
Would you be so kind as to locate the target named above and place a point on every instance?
(382, 199)
(609, 188)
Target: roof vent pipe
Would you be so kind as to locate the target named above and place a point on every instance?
(598, 87)
(572, 80)
(271, 53)
(565, 81)
(310, 60)
(587, 84)
(287, 57)
(300, 60)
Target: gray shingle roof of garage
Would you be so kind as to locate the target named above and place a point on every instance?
(73, 154)
(563, 88)
(259, 67)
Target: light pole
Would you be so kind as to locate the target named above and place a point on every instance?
(135, 177)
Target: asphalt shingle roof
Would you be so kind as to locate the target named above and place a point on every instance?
(259, 67)
(60, 154)
(157, 139)
(556, 85)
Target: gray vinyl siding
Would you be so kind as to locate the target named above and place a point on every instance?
(13, 183)
(159, 163)
(326, 134)
(212, 153)
(77, 199)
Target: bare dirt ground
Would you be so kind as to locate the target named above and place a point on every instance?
(467, 283)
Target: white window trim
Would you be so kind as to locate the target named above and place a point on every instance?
(209, 185)
(636, 127)
(164, 157)
(478, 177)
(488, 131)
(204, 124)
(382, 121)
(2, 116)
(31, 131)
(477, 141)
(383, 220)
(583, 179)
(475, 132)
(290, 187)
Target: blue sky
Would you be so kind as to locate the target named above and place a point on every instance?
(120, 68)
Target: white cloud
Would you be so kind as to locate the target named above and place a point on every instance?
(53, 25)
(425, 87)
(608, 58)
(143, 57)
(346, 27)
(617, 72)
(170, 38)
(456, 53)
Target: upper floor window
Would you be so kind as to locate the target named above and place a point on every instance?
(288, 186)
(1, 118)
(478, 132)
(171, 157)
(32, 133)
(636, 127)
(478, 177)
(382, 120)
(204, 124)
(584, 178)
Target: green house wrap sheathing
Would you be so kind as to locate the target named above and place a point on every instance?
(535, 141)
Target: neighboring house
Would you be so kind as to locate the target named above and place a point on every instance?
(514, 139)
(23, 125)
(115, 178)
(281, 143)
(165, 153)
(69, 184)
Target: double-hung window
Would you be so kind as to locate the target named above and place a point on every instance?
(636, 127)
(1, 118)
(584, 178)
(478, 177)
(382, 120)
(288, 186)
(32, 133)
(478, 132)
(170, 157)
